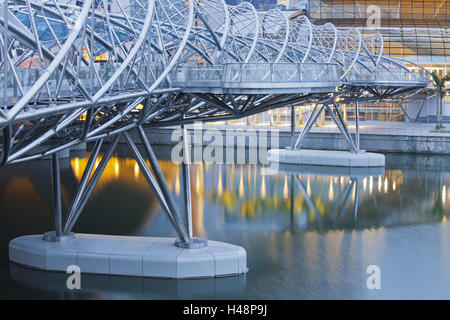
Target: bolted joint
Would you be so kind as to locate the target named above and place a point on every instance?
(52, 237)
(194, 243)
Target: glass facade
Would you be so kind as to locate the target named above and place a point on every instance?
(389, 9)
(414, 30)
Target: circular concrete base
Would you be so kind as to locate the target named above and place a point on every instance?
(330, 158)
(129, 256)
(196, 243)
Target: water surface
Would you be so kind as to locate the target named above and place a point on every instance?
(307, 236)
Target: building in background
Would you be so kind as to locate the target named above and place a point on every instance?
(414, 30)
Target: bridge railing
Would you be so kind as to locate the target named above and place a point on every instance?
(92, 80)
(385, 77)
(280, 72)
(263, 74)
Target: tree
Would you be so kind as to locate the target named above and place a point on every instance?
(440, 92)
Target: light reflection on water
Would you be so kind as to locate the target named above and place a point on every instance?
(307, 236)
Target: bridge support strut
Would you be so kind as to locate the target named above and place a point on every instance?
(159, 186)
(339, 120)
(57, 235)
(122, 255)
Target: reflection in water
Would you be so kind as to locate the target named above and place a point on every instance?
(325, 202)
(307, 236)
(106, 287)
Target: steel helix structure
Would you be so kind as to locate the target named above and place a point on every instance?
(83, 71)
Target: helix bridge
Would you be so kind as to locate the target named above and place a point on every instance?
(94, 72)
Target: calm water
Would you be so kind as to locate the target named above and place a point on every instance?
(307, 236)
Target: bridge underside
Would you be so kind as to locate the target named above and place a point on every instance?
(76, 74)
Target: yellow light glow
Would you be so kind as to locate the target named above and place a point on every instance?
(241, 183)
(444, 194)
(219, 186)
(77, 167)
(285, 188)
(197, 182)
(331, 191)
(386, 185)
(308, 187)
(263, 187)
(116, 168)
(136, 171)
(177, 182)
(354, 193)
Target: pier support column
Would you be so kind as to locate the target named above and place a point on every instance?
(309, 123)
(187, 183)
(56, 188)
(292, 127)
(357, 126)
(129, 256)
(192, 243)
(158, 183)
(57, 235)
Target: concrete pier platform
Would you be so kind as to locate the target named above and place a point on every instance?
(351, 172)
(326, 158)
(129, 256)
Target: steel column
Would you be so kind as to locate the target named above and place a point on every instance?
(187, 182)
(93, 182)
(420, 109)
(355, 205)
(5, 52)
(83, 183)
(178, 225)
(292, 127)
(292, 196)
(56, 191)
(159, 176)
(311, 119)
(357, 126)
(344, 127)
(401, 104)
